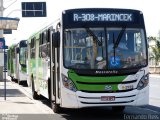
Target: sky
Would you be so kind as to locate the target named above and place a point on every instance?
(28, 26)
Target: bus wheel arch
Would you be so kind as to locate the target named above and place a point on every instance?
(19, 82)
(55, 107)
(34, 93)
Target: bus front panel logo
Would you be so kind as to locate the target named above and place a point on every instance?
(108, 87)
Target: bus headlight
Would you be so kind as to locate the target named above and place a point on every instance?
(67, 83)
(143, 82)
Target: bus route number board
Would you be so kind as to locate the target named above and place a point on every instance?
(107, 98)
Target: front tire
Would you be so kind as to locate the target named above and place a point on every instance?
(34, 93)
(12, 79)
(55, 107)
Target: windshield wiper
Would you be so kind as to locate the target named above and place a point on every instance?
(119, 37)
(116, 43)
(91, 33)
(95, 46)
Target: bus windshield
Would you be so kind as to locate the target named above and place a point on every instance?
(94, 48)
(23, 55)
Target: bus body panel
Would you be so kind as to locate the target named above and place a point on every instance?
(12, 61)
(39, 64)
(9, 62)
(74, 100)
(22, 76)
(79, 99)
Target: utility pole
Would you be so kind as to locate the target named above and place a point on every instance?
(1, 36)
(1, 15)
(6, 23)
(2, 52)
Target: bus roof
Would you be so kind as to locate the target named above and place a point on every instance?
(95, 9)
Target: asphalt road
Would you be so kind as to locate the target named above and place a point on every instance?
(154, 89)
(149, 112)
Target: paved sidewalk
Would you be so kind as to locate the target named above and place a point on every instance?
(18, 103)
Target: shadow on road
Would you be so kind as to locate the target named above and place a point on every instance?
(151, 107)
(11, 93)
(105, 113)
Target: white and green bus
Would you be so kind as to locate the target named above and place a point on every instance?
(17, 61)
(10, 60)
(91, 57)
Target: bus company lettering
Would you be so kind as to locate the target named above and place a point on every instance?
(103, 17)
(107, 72)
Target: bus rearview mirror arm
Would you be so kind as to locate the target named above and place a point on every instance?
(56, 39)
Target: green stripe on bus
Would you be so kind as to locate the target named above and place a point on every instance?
(93, 79)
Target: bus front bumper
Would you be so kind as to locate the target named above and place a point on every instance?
(82, 99)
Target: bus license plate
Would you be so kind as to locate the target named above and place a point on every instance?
(107, 98)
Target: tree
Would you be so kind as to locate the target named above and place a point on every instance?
(156, 53)
(150, 38)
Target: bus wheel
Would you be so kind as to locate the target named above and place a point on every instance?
(19, 82)
(55, 107)
(12, 79)
(34, 93)
(118, 108)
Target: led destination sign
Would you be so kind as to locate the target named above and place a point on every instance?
(104, 17)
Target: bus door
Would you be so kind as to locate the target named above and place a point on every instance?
(54, 70)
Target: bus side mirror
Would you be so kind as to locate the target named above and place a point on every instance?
(17, 50)
(23, 43)
(56, 39)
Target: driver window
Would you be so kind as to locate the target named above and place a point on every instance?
(81, 47)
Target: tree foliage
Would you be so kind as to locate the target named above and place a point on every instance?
(150, 38)
(156, 52)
